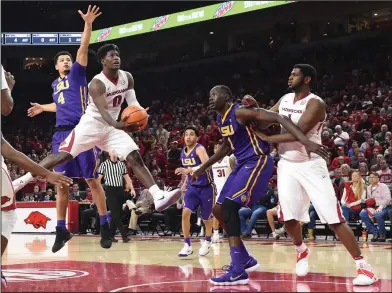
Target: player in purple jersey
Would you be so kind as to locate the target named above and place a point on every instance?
(200, 193)
(69, 103)
(249, 181)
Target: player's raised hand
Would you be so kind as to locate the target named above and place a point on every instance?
(34, 110)
(91, 14)
(10, 80)
(312, 147)
(58, 178)
(249, 101)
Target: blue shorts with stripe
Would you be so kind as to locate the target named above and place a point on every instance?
(82, 166)
(203, 197)
(248, 183)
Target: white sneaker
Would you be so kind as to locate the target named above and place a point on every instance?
(280, 231)
(302, 266)
(215, 238)
(366, 276)
(275, 235)
(164, 199)
(205, 248)
(186, 250)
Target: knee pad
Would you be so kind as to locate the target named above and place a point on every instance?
(231, 217)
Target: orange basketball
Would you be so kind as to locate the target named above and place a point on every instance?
(135, 114)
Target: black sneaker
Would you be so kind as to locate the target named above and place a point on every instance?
(114, 239)
(62, 237)
(131, 232)
(375, 238)
(106, 238)
(246, 235)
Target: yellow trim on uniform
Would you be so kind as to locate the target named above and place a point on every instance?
(257, 177)
(209, 177)
(227, 113)
(251, 140)
(231, 143)
(215, 193)
(96, 162)
(187, 154)
(81, 98)
(250, 178)
(257, 143)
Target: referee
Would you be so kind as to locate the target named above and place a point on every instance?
(114, 172)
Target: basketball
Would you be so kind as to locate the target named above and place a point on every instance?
(135, 114)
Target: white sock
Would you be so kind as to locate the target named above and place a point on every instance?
(360, 261)
(216, 232)
(21, 182)
(301, 248)
(154, 190)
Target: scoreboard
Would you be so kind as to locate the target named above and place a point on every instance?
(38, 39)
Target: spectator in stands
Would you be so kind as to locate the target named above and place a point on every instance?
(162, 134)
(256, 212)
(172, 216)
(204, 138)
(382, 195)
(365, 123)
(75, 194)
(353, 195)
(369, 152)
(345, 172)
(340, 137)
(366, 136)
(326, 140)
(92, 212)
(338, 183)
(385, 173)
(375, 162)
(37, 194)
(312, 222)
(354, 105)
(340, 159)
(49, 195)
(380, 137)
(354, 146)
(354, 160)
(174, 156)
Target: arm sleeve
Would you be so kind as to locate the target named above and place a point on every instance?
(130, 96)
(4, 84)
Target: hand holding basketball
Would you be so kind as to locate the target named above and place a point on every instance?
(249, 101)
(135, 117)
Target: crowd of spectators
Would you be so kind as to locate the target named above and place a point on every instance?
(354, 80)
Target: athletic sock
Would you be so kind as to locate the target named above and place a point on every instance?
(103, 220)
(236, 257)
(301, 248)
(61, 224)
(187, 241)
(244, 253)
(208, 238)
(359, 259)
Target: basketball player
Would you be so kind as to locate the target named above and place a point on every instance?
(69, 103)
(7, 84)
(98, 126)
(220, 171)
(249, 181)
(302, 179)
(199, 193)
(8, 206)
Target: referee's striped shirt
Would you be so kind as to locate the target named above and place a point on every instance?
(113, 172)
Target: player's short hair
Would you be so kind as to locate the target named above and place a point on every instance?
(225, 90)
(190, 127)
(101, 53)
(308, 71)
(61, 53)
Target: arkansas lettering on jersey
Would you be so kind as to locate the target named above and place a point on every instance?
(115, 95)
(7, 190)
(295, 151)
(221, 171)
(70, 96)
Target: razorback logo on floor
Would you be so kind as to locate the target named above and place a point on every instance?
(37, 219)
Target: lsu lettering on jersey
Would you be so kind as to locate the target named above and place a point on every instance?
(115, 95)
(221, 171)
(245, 144)
(295, 151)
(70, 96)
(190, 159)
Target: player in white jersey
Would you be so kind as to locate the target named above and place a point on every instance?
(99, 126)
(221, 171)
(303, 178)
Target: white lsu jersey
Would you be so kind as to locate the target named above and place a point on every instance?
(221, 171)
(295, 151)
(115, 95)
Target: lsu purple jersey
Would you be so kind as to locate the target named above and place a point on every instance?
(70, 96)
(190, 160)
(248, 183)
(245, 144)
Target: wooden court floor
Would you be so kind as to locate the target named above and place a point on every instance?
(151, 264)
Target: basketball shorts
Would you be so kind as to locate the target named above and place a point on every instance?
(248, 183)
(84, 165)
(300, 183)
(92, 132)
(8, 220)
(202, 197)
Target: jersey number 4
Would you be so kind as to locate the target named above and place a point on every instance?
(61, 100)
(117, 101)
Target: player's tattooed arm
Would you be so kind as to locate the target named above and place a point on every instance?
(23, 161)
(89, 17)
(222, 152)
(97, 91)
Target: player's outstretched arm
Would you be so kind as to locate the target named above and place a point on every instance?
(23, 161)
(245, 116)
(37, 109)
(222, 152)
(7, 84)
(89, 17)
(97, 91)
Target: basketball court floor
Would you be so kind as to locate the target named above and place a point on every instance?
(151, 264)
